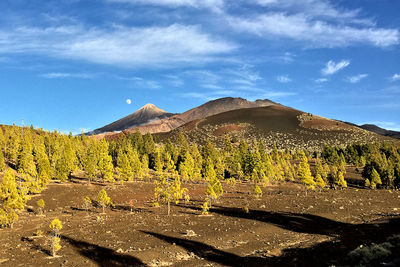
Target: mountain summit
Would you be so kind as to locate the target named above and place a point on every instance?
(208, 109)
(145, 114)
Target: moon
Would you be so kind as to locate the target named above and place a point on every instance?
(128, 101)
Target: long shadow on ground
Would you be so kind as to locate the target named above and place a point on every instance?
(210, 253)
(346, 236)
(101, 255)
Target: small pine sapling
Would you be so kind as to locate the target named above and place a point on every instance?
(205, 208)
(104, 200)
(41, 205)
(367, 183)
(55, 227)
(257, 191)
(131, 205)
(86, 204)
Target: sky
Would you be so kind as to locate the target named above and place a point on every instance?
(81, 64)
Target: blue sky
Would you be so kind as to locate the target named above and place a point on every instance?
(72, 64)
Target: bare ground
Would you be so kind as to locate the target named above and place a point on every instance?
(288, 225)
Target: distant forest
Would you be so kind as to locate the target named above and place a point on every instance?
(30, 158)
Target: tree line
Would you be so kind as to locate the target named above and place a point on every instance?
(30, 158)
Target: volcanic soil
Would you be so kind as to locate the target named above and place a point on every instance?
(288, 225)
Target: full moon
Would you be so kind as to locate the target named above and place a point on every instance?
(128, 101)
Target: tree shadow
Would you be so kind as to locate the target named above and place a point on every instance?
(344, 236)
(129, 208)
(210, 253)
(36, 246)
(101, 255)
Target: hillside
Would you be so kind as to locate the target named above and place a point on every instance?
(283, 126)
(208, 109)
(146, 114)
(381, 131)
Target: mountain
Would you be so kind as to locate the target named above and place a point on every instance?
(274, 124)
(146, 114)
(208, 109)
(381, 131)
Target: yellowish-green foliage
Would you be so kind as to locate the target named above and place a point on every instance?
(367, 183)
(124, 167)
(340, 179)
(205, 208)
(43, 165)
(40, 203)
(257, 191)
(105, 161)
(25, 162)
(7, 217)
(214, 189)
(90, 162)
(231, 181)
(104, 200)
(375, 179)
(319, 181)
(55, 227)
(2, 163)
(304, 173)
(10, 195)
(169, 189)
(86, 203)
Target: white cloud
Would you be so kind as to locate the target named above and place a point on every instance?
(283, 79)
(128, 101)
(215, 5)
(57, 75)
(321, 80)
(313, 8)
(332, 67)
(356, 78)
(313, 32)
(122, 46)
(395, 77)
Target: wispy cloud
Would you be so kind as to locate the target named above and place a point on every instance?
(123, 46)
(283, 79)
(215, 5)
(331, 67)
(321, 80)
(395, 77)
(313, 32)
(356, 78)
(60, 75)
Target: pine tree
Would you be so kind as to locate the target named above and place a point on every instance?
(25, 162)
(55, 227)
(91, 160)
(257, 191)
(105, 165)
(40, 203)
(135, 163)
(319, 181)
(2, 163)
(104, 200)
(43, 165)
(169, 190)
(214, 188)
(124, 167)
(12, 198)
(304, 173)
(375, 179)
(340, 179)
